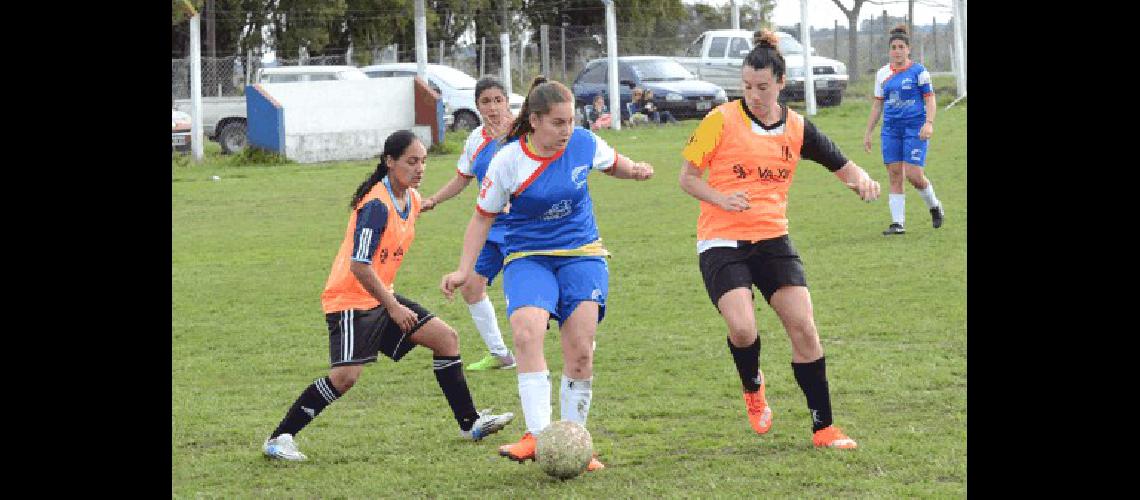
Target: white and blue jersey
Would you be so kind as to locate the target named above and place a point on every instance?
(903, 92)
(473, 162)
(555, 258)
(550, 207)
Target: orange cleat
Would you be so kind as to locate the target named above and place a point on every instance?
(759, 414)
(520, 451)
(832, 437)
(595, 465)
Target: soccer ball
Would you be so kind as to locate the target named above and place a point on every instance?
(564, 449)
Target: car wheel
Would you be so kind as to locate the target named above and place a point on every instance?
(832, 99)
(465, 120)
(232, 137)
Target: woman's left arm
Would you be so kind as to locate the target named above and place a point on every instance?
(859, 181)
(931, 108)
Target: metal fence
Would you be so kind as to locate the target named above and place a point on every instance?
(567, 51)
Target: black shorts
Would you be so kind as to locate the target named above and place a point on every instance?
(768, 264)
(357, 335)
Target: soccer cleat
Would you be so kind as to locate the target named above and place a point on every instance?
(832, 437)
(520, 451)
(283, 448)
(894, 228)
(936, 215)
(759, 413)
(492, 361)
(487, 424)
(595, 465)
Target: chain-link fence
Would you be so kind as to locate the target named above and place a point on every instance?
(570, 48)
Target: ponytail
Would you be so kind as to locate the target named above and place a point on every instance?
(394, 147)
(542, 95)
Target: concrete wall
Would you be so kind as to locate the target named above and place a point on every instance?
(342, 120)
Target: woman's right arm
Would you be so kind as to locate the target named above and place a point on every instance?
(876, 111)
(452, 188)
(692, 183)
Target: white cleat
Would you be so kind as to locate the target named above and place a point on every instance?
(283, 448)
(487, 424)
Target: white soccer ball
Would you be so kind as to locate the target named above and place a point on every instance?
(564, 449)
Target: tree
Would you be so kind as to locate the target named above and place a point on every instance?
(852, 34)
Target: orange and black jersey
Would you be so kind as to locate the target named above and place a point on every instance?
(742, 154)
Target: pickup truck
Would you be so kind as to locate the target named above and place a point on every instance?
(716, 56)
(223, 118)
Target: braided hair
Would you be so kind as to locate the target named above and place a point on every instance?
(394, 146)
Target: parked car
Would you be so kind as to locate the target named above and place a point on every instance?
(223, 118)
(456, 87)
(675, 89)
(179, 130)
(717, 56)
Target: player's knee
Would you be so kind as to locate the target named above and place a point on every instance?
(742, 335)
(448, 342)
(343, 380)
(472, 290)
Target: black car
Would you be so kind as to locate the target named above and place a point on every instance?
(674, 88)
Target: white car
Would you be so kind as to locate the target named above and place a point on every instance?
(457, 88)
(289, 74)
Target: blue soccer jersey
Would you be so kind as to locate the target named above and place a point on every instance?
(550, 206)
(473, 162)
(902, 92)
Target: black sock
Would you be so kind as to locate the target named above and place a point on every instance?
(747, 361)
(812, 378)
(315, 398)
(449, 373)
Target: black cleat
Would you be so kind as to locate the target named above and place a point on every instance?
(936, 215)
(895, 228)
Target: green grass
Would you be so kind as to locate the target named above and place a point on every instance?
(251, 252)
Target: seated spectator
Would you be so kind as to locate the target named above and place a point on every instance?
(649, 107)
(636, 112)
(599, 116)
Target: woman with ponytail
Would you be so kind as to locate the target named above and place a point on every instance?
(750, 148)
(904, 97)
(555, 265)
(482, 144)
(365, 315)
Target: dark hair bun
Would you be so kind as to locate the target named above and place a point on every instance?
(900, 30)
(765, 38)
(538, 80)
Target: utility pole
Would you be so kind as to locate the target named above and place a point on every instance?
(211, 39)
(735, 15)
(421, 41)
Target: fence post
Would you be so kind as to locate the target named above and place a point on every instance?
(505, 59)
(563, 52)
(441, 52)
(835, 31)
(544, 37)
(483, 57)
(522, 59)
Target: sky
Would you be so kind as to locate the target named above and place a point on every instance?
(824, 13)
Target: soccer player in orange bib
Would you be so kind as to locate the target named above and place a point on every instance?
(366, 316)
(750, 149)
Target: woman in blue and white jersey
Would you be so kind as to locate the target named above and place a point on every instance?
(555, 265)
(904, 96)
(482, 144)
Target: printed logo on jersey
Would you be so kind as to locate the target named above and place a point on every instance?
(907, 83)
(771, 176)
(579, 174)
(486, 184)
(596, 295)
(740, 171)
(383, 255)
(916, 154)
(786, 151)
(557, 211)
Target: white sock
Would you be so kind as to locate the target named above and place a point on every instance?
(928, 195)
(534, 391)
(483, 314)
(574, 398)
(898, 208)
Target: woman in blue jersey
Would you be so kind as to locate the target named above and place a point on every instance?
(482, 144)
(904, 96)
(555, 267)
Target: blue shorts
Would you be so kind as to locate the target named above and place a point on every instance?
(556, 284)
(901, 144)
(491, 260)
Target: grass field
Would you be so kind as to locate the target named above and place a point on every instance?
(251, 252)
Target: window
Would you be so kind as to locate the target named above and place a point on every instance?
(317, 77)
(595, 74)
(661, 70)
(739, 47)
(716, 48)
(282, 78)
